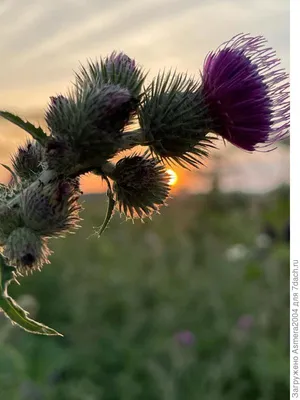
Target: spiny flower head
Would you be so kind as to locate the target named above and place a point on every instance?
(53, 209)
(27, 162)
(116, 107)
(141, 186)
(26, 250)
(90, 122)
(115, 69)
(175, 120)
(247, 93)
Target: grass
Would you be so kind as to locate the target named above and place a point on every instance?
(121, 301)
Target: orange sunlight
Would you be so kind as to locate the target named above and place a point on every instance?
(173, 177)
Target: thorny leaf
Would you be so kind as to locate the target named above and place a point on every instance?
(12, 310)
(37, 133)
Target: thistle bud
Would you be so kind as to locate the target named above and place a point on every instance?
(175, 120)
(89, 124)
(116, 69)
(26, 250)
(123, 70)
(53, 209)
(27, 163)
(141, 186)
(115, 107)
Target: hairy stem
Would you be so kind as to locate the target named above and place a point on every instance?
(131, 139)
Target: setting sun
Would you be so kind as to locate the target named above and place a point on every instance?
(173, 177)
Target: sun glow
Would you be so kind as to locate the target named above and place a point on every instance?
(173, 177)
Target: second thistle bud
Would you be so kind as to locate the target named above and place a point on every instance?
(141, 186)
(115, 69)
(87, 125)
(52, 209)
(26, 250)
(117, 107)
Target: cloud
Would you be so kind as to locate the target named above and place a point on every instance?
(44, 41)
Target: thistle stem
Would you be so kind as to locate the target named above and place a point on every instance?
(131, 139)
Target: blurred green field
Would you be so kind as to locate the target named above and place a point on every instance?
(191, 305)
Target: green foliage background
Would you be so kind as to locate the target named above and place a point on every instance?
(121, 299)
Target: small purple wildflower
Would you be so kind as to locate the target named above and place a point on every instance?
(185, 338)
(247, 93)
(245, 322)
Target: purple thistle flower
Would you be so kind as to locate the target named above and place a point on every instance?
(185, 338)
(247, 93)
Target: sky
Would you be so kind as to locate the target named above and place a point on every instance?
(44, 41)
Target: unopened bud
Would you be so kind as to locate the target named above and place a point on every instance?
(26, 250)
(141, 186)
(116, 69)
(87, 125)
(175, 121)
(52, 209)
(115, 106)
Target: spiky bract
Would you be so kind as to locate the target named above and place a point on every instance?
(175, 120)
(51, 210)
(26, 250)
(141, 186)
(247, 93)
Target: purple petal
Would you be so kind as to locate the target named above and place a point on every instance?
(247, 93)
